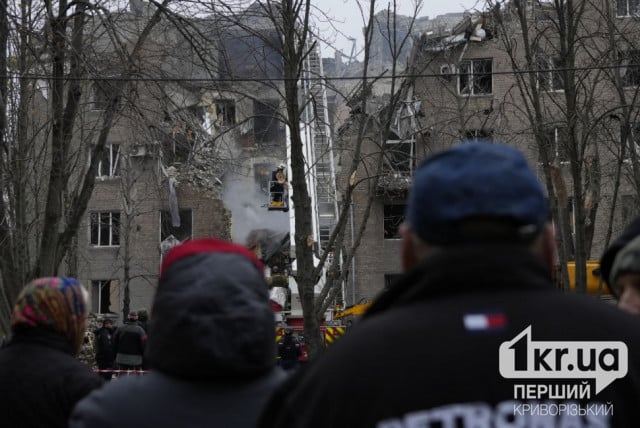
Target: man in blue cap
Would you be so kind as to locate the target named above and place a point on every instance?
(474, 334)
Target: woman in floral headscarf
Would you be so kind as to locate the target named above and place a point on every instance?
(40, 380)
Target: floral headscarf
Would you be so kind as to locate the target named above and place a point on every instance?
(57, 303)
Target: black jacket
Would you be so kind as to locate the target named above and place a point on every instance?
(40, 380)
(105, 352)
(289, 348)
(129, 341)
(422, 352)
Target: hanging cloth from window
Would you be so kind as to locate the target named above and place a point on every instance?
(173, 203)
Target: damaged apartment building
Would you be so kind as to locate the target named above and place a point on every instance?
(189, 155)
(571, 112)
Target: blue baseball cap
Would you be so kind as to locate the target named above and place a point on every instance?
(475, 180)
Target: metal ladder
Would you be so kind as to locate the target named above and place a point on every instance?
(322, 165)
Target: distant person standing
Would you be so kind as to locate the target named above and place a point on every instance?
(129, 343)
(105, 351)
(40, 378)
(289, 350)
(143, 319)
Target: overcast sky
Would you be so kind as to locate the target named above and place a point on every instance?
(348, 19)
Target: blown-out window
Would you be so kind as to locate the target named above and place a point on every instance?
(180, 226)
(393, 218)
(475, 77)
(104, 293)
(225, 113)
(399, 156)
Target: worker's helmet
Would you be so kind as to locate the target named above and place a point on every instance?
(282, 166)
(288, 331)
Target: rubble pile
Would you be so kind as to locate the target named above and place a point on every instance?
(203, 171)
(87, 352)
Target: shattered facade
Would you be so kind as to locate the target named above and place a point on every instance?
(465, 89)
(189, 157)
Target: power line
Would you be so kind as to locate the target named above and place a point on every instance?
(312, 78)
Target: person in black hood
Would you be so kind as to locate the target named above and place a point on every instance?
(211, 347)
(487, 339)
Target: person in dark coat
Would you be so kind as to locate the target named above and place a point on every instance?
(143, 321)
(485, 334)
(129, 342)
(289, 350)
(631, 231)
(40, 378)
(105, 351)
(620, 268)
(211, 347)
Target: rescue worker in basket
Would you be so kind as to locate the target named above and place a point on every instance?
(278, 189)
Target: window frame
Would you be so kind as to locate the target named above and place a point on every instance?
(628, 9)
(114, 164)
(99, 96)
(385, 215)
(167, 220)
(631, 76)
(633, 142)
(97, 297)
(557, 152)
(390, 279)
(406, 165)
(113, 226)
(549, 77)
(225, 113)
(472, 77)
(478, 134)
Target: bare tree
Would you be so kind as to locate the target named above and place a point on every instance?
(548, 45)
(617, 46)
(291, 23)
(46, 181)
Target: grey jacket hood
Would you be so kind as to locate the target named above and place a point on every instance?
(626, 261)
(212, 318)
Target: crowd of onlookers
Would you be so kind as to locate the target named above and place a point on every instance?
(122, 348)
(441, 347)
